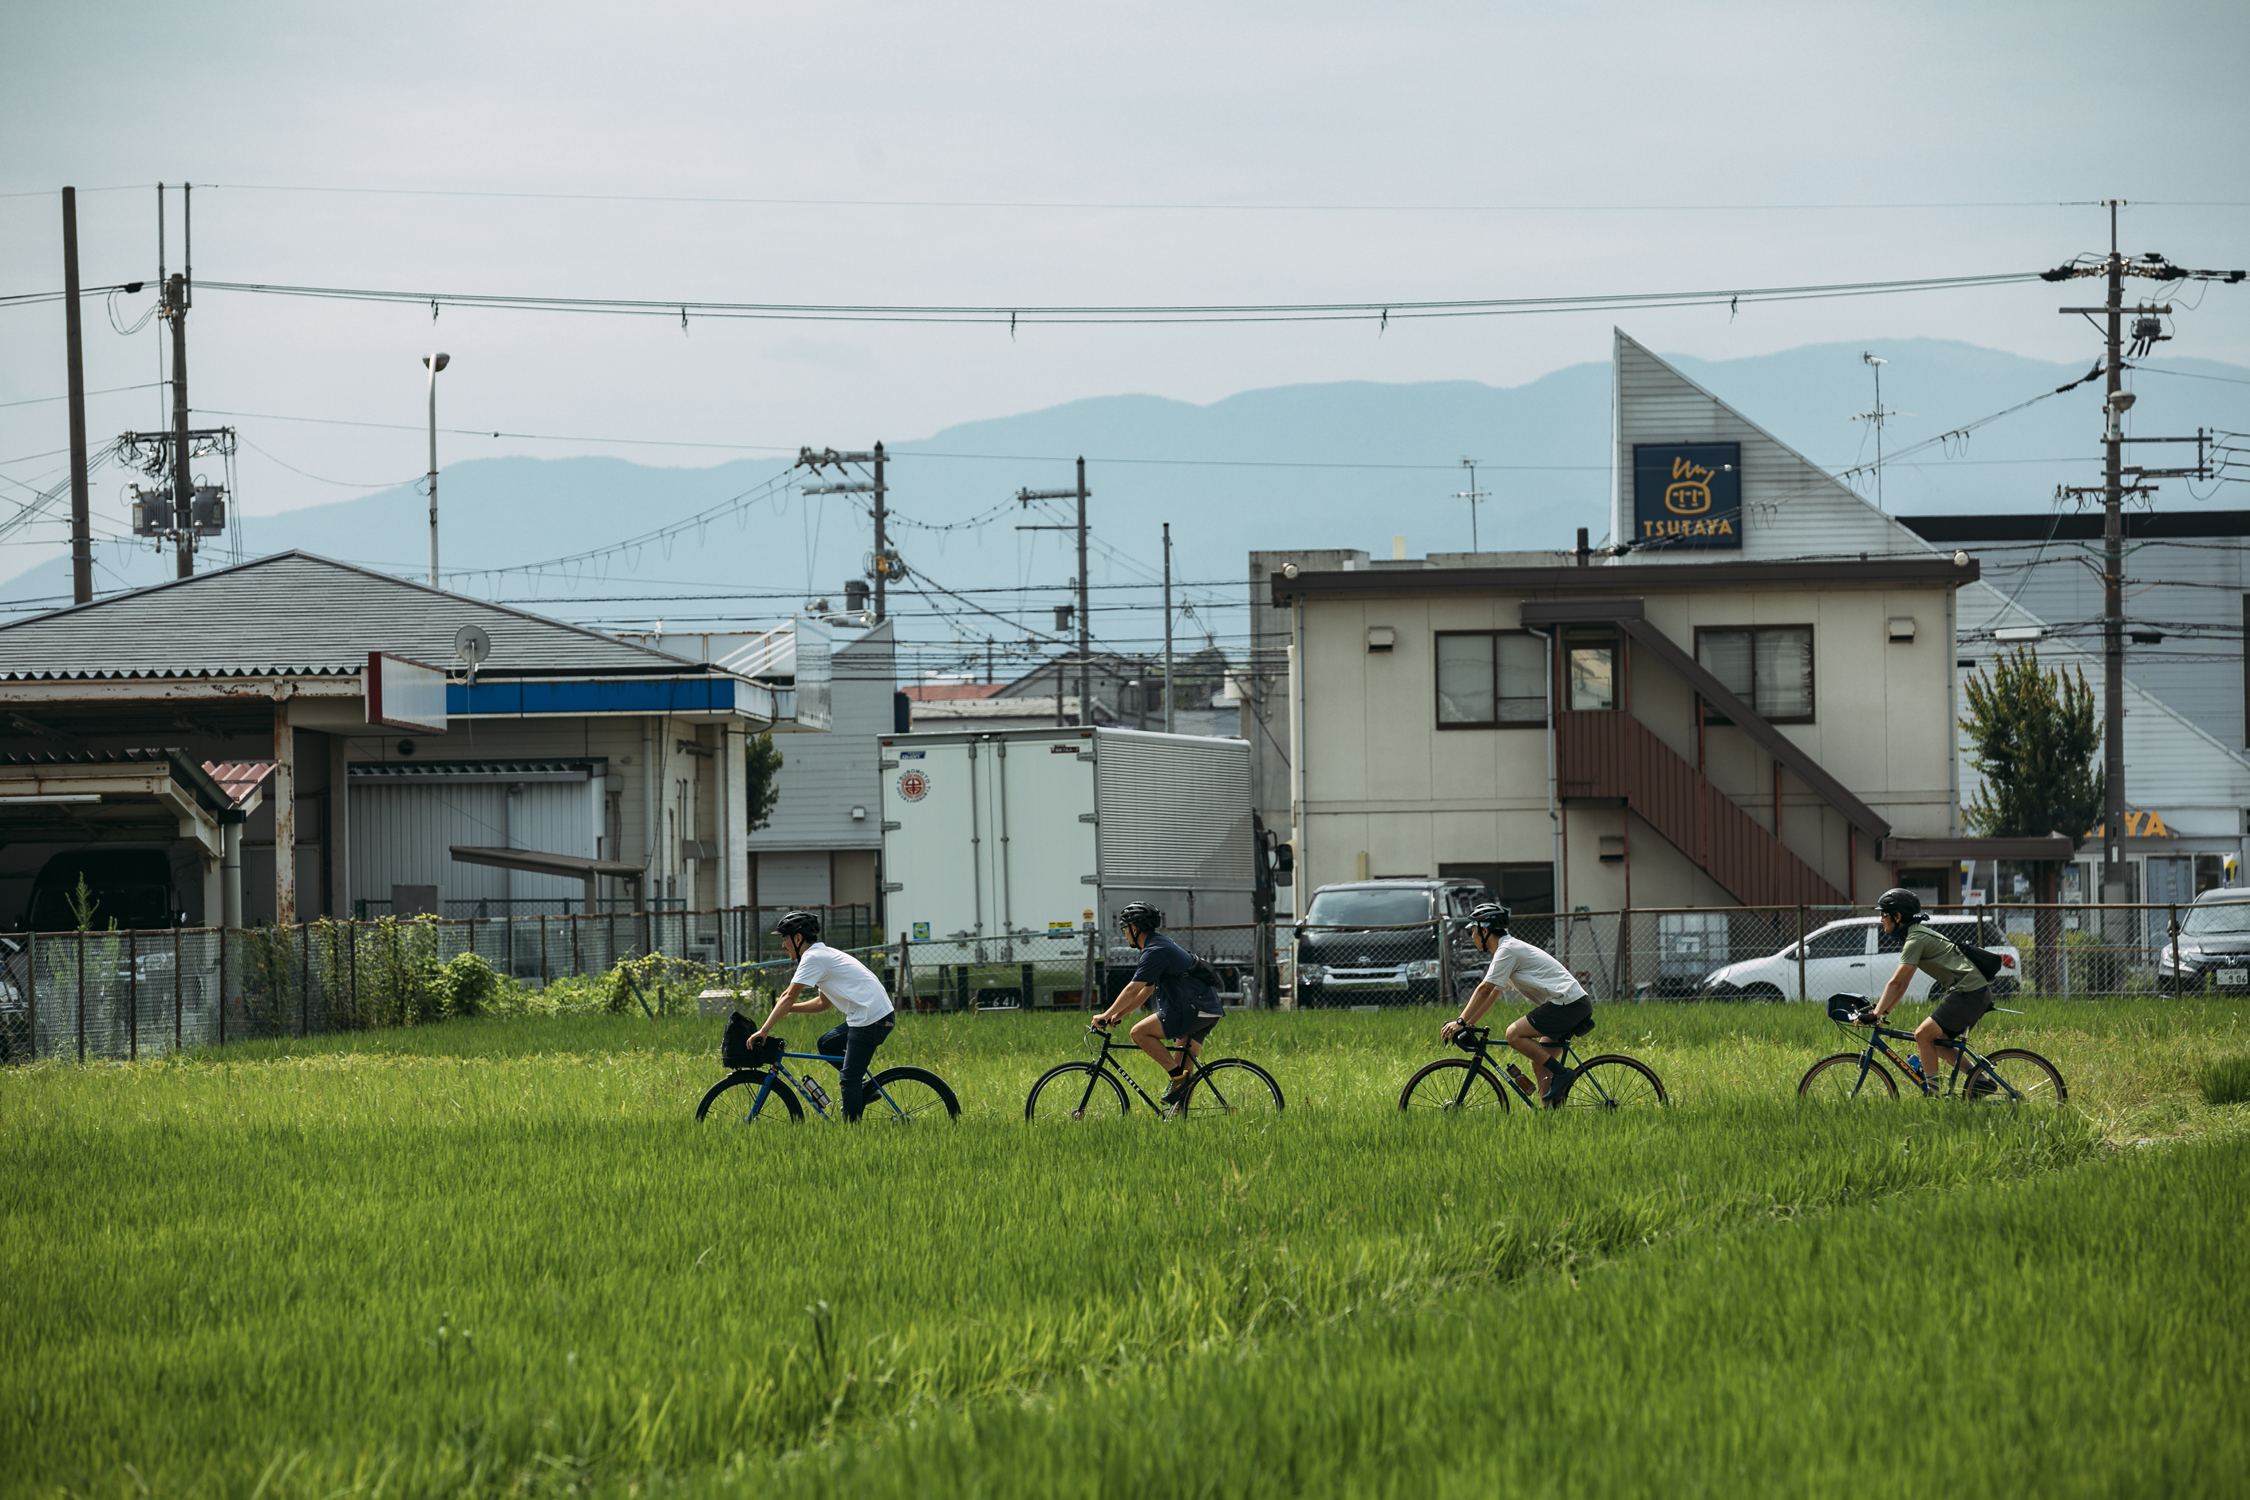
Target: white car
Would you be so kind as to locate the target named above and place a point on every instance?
(1851, 957)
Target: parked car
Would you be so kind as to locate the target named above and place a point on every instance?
(1851, 957)
(2214, 946)
(129, 888)
(1345, 958)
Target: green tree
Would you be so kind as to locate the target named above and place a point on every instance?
(2034, 735)
(764, 766)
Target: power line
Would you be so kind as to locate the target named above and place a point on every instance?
(1151, 313)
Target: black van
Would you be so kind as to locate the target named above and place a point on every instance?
(129, 889)
(1345, 958)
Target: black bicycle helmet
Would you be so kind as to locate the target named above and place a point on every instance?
(799, 924)
(1142, 915)
(1491, 916)
(1900, 903)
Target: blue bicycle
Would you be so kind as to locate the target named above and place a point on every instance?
(899, 1095)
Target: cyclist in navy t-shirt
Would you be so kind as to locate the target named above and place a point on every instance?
(1185, 1007)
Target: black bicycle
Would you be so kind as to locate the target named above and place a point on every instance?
(1610, 1081)
(2009, 1076)
(1095, 1089)
(901, 1096)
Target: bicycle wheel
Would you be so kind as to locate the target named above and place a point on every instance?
(1837, 1078)
(1453, 1083)
(914, 1094)
(1615, 1082)
(782, 1094)
(2014, 1076)
(1231, 1086)
(1074, 1092)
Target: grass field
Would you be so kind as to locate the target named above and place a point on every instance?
(499, 1256)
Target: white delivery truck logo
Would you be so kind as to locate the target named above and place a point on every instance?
(913, 786)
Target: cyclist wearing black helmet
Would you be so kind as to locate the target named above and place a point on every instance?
(1560, 1004)
(1186, 1007)
(1970, 993)
(841, 982)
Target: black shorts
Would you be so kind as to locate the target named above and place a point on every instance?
(1558, 1021)
(1960, 1011)
(1190, 1026)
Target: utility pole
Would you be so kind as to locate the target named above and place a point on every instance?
(1472, 494)
(884, 565)
(1085, 627)
(176, 294)
(2116, 402)
(435, 362)
(81, 513)
(1168, 627)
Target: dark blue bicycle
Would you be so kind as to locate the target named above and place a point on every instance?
(2009, 1076)
(901, 1096)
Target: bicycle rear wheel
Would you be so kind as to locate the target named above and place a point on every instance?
(1615, 1082)
(782, 1092)
(1454, 1083)
(2014, 1076)
(1838, 1078)
(1231, 1086)
(914, 1094)
(1074, 1091)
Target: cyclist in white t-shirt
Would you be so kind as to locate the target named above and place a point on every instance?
(841, 982)
(1560, 1004)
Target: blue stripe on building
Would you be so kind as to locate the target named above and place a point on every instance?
(709, 695)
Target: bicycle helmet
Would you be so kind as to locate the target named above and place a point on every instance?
(1900, 903)
(1142, 915)
(1491, 916)
(799, 924)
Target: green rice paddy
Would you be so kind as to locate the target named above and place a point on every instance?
(498, 1256)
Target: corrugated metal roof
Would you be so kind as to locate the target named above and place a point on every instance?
(185, 772)
(298, 614)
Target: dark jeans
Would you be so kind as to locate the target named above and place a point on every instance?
(856, 1046)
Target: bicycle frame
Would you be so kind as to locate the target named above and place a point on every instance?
(1482, 1047)
(1967, 1063)
(781, 1071)
(1102, 1064)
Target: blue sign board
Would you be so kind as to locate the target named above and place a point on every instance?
(1687, 496)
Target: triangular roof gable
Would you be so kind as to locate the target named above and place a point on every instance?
(295, 612)
(1792, 508)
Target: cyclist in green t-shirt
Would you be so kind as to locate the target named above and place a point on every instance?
(1969, 992)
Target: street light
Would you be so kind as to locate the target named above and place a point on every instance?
(436, 362)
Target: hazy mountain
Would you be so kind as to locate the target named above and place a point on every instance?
(1316, 465)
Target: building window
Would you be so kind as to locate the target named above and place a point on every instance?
(1770, 668)
(1489, 679)
(1590, 662)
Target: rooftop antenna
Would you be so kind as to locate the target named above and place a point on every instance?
(1472, 494)
(472, 645)
(1878, 416)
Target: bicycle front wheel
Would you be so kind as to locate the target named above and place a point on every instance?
(2014, 1076)
(1839, 1079)
(782, 1093)
(1615, 1082)
(1231, 1086)
(912, 1094)
(1075, 1091)
(1454, 1083)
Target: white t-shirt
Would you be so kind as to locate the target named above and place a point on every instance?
(1532, 973)
(848, 984)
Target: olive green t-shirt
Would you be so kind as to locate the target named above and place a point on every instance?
(1937, 957)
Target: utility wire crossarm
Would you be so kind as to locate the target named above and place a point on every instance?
(883, 563)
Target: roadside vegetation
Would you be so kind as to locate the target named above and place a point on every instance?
(497, 1255)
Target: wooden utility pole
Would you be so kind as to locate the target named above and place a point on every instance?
(1168, 627)
(81, 512)
(176, 295)
(1085, 625)
(885, 564)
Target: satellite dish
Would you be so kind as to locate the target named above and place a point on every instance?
(472, 645)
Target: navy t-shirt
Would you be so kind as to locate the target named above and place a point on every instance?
(1166, 966)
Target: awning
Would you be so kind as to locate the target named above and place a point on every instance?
(2054, 849)
(569, 866)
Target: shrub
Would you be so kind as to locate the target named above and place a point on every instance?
(2226, 1080)
(465, 985)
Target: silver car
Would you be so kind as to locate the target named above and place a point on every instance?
(2213, 953)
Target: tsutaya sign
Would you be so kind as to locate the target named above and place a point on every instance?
(1687, 496)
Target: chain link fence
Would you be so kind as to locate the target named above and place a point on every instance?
(128, 995)
(1060, 969)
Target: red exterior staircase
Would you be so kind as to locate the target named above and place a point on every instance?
(1611, 754)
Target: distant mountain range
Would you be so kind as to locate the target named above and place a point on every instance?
(1343, 465)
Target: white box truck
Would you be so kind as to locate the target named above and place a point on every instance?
(1003, 849)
